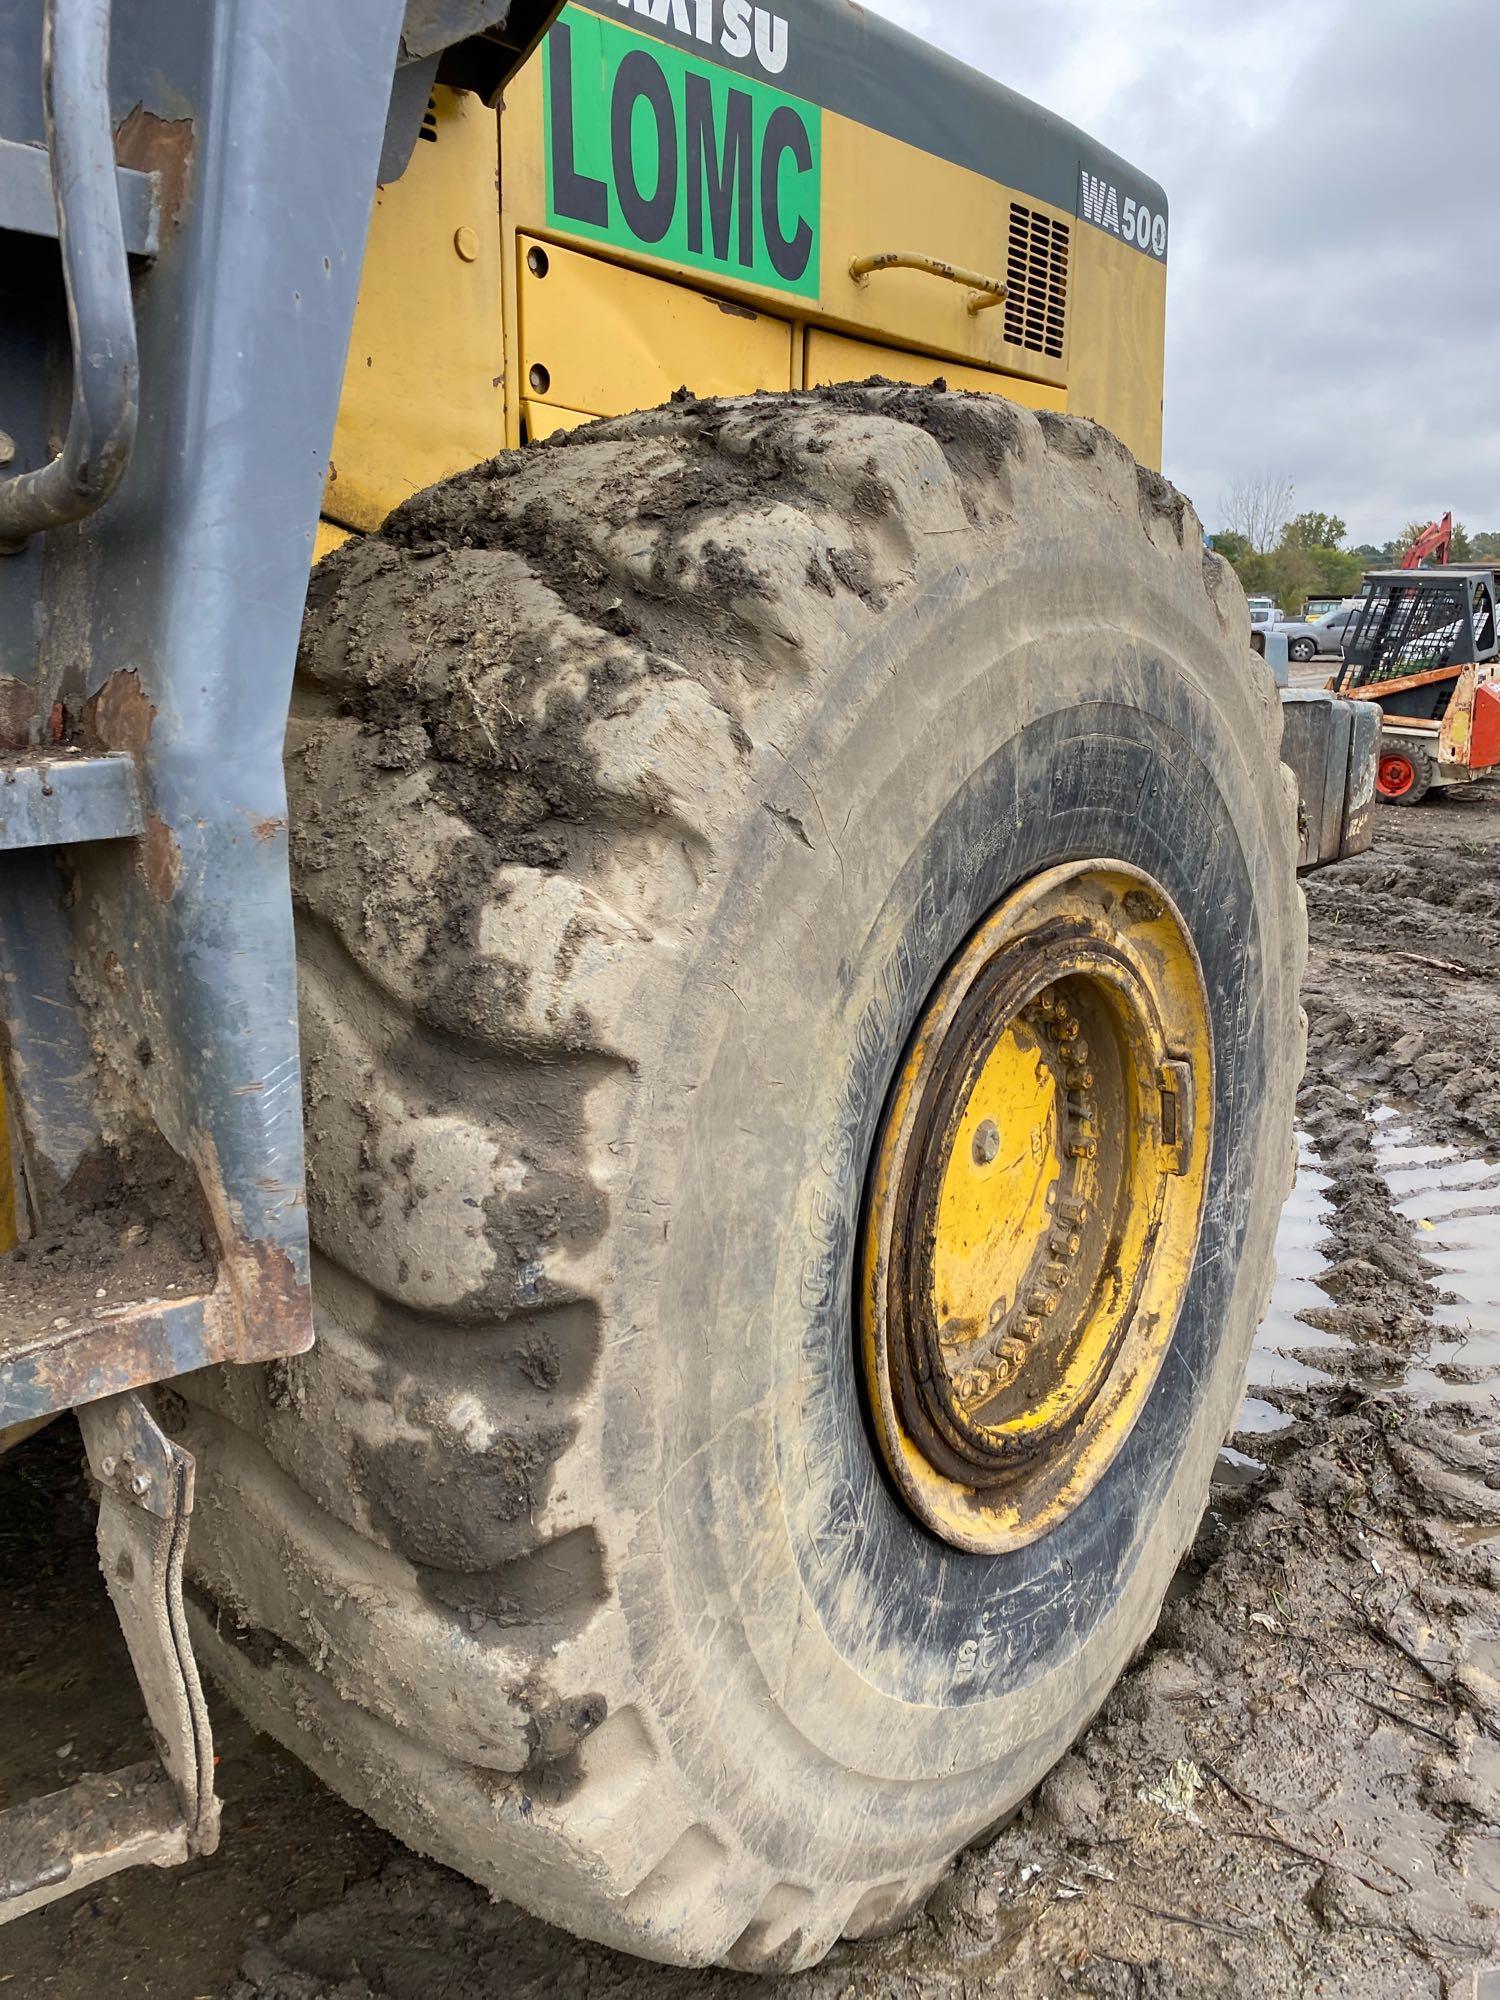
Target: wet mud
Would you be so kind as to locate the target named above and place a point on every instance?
(1296, 1790)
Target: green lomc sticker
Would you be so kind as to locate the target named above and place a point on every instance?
(665, 156)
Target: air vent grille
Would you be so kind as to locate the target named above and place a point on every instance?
(429, 129)
(1036, 295)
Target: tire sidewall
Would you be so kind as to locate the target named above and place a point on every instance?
(1421, 783)
(947, 763)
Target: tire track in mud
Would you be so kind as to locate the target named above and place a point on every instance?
(1401, 1102)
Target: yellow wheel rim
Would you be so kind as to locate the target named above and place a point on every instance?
(1035, 1204)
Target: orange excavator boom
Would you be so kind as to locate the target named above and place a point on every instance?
(1436, 541)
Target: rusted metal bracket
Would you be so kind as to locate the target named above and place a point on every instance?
(146, 1814)
(56, 1367)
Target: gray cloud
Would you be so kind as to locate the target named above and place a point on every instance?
(1333, 170)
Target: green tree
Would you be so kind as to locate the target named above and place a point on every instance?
(1232, 547)
(1315, 531)
(1294, 576)
(1285, 575)
(1308, 560)
(1256, 575)
(1486, 546)
(1339, 571)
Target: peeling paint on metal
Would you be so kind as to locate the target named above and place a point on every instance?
(161, 859)
(159, 146)
(119, 716)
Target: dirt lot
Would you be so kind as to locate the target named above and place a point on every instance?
(1296, 1790)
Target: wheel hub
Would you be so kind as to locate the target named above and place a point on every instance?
(1397, 774)
(1035, 1204)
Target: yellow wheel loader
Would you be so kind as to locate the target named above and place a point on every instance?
(688, 1182)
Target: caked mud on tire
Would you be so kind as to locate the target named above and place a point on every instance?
(643, 787)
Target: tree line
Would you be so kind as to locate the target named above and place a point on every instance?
(1291, 557)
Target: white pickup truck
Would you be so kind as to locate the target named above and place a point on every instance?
(1264, 613)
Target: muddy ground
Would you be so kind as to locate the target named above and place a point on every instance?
(1296, 1790)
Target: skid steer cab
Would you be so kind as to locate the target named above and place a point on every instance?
(1424, 652)
(783, 1062)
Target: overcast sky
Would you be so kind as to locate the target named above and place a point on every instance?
(1333, 173)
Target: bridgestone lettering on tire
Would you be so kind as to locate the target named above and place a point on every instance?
(644, 786)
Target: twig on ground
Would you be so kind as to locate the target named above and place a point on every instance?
(1293, 1847)
(1407, 1721)
(1434, 964)
(1196, 1923)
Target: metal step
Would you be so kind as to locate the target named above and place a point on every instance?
(27, 205)
(53, 798)
(147, 1813)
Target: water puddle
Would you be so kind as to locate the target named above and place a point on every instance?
(1453, 1201)
(1237, 1469)
(1260, 1418)
(1278, 1358)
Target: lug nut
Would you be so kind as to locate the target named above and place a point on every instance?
(986, 1143)
(978, 1384)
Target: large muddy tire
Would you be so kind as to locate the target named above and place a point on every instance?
(643, 787)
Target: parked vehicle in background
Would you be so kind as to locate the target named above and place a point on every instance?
(1306, 638)
(1319, 607)
(1263, 615)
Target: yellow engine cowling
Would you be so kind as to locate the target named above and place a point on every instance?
(490, 315)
